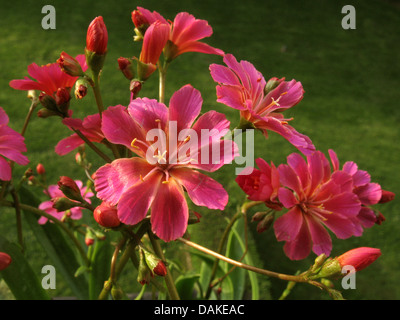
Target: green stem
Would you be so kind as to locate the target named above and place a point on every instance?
(162, 70)
(169, 281)
(92, 146)
(19, 219)
(97, 94)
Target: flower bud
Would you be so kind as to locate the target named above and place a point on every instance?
(45, 113)
(62, 99)
(380, 218)
(155, 264)
(69, 188)
(81, 88)
(144, 273)
(70, 65)
(135, 87)
(106, 215)
(40, 169)
(97, 36)
(386, 196)
(89, 237)
(63, 204)
(48, 102)
(5, 260)
(359, 258)
(126, 67)
(272, 84)
(116, 292)
(265, 223)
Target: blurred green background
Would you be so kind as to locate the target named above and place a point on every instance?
(351, 104)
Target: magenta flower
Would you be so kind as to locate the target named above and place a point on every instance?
(369, 193)
(157, 178)
(90, 127)
(53, 192)
(186, 31)
(242, 87)
(49, 78)
(11, 146)
(316, 198)
(261, 184)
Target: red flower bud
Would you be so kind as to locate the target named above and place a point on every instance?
(359, 258)
(139, 19)
(70, 65)
(5, 260)
(106, 215)
(386, 196)
(70, 188)
(40, 169)
(160, 269)
(126, 66)
(97, 36)
(380, 218)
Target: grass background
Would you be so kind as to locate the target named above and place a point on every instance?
(351, 80)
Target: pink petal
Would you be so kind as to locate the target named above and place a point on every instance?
(299, 165)
(5, 170)
(185, 106)
(169, 212)
(68, 144)
(148, 113)
(202, 190)
(289, 178)
(186, 28)
(322, 242)
(231, 96)
(287, 226)
(342, 227)
(136, 200)
(199, 47)
(300, 247)
(369, 194)
(287, 198)
(367, 217)
(334, 159)
(3, 117)
(224, 75)
(119, 127)
(346, 204)
(113, 179)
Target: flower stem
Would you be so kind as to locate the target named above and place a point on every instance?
(91, 145)
(97, 94)
(162, 70)
(169, 281)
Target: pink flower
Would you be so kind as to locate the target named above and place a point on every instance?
(157, 178)
(316, 198)
(54, 193)
(186, 31)
(261, 184)
(49, 78)
(11, 146)
(90, 127)
(242, 87)
(369, 193)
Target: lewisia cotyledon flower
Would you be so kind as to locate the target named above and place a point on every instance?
(317, 199)
(11, 146)
(242, 87)
(54, 192)
(157, 178)
(49, 78)
(185, 32)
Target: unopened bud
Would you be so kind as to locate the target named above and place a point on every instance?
(126, 67)
(5, 260)
(135, 87)
(28, 173)
(386, 196)
(106, 215)
(272, 84)
(89, 237)
(97, 36)
(70, 65)
(81, 88)
(40, 169)
(45, 113)
(62, 99)
(69, 188)
(380, 218)
(359, 258)
(116, 292)
(48, 102)
(155, 264)
(144, 273)
(63, 204)
(265, 223)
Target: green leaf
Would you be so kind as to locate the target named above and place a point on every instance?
(99, 267)
(248, 260)
(19, 276)
(56, 247)
(185, 285)
(235, 251)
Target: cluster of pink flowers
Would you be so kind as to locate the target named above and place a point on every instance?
(317, 193)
